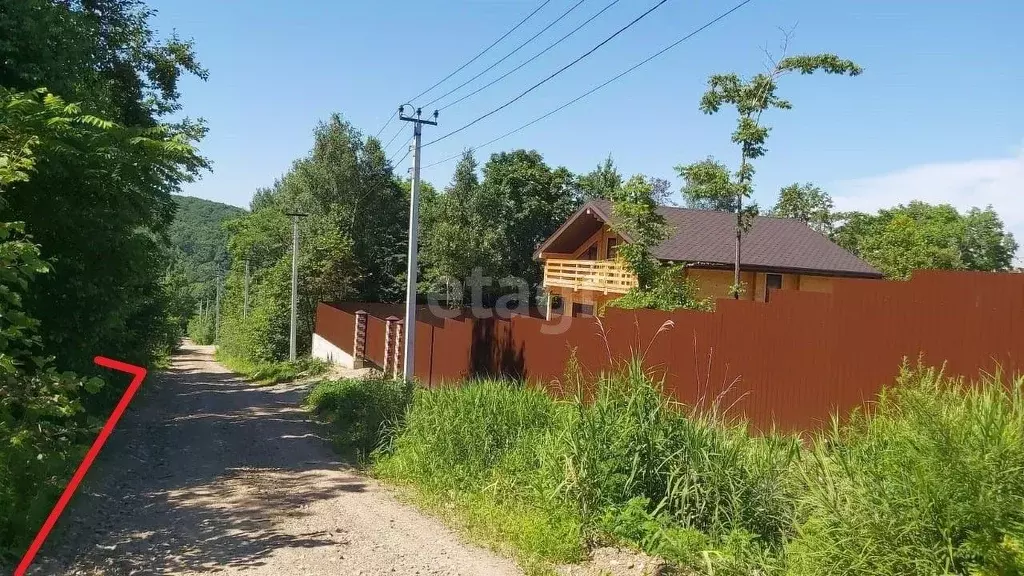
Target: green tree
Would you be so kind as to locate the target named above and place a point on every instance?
(43, 427)
(708, 185)
(985, 245)
(918, 235)
(352, 244)
(751, 98)
(807, 203)
(601, 182)
(99, 202)
(457, 235)
(524, 201)
(635, 215)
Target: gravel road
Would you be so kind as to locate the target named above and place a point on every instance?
(207, 473)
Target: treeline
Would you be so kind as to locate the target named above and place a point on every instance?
(352, 243)
(485, 225)
(88, 165)
(906, 237)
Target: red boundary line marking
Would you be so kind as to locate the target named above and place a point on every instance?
(138, 374)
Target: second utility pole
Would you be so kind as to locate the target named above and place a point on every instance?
(409, 349)
(216, 318)
(295, 281)
(245, 292)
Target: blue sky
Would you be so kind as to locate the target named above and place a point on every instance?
(936, 115)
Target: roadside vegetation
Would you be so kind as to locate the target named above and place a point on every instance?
(92, 149)
(274, 372)
(931, 481)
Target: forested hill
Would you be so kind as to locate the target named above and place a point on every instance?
(199, 239)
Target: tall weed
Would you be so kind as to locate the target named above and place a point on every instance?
(363, 412)
(472, 454)
(931, 481)
(645, 469)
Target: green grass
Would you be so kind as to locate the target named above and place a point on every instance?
(474, 454)
(360, 412)
(930, 482)
(273, 372)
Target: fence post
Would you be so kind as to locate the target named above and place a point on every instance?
(359, 345)
(389, 342)
(398, 348)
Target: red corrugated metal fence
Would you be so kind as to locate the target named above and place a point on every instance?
(789, 363)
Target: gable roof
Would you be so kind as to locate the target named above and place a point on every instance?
(707, 237)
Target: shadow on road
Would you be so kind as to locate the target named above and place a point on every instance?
(204, 473)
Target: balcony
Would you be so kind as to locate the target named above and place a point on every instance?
(597, 275)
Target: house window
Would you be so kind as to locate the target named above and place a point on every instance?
(771, 282)
(582, 309)
(591, 253)
(613, 248)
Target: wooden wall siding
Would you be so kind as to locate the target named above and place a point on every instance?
(789, 363)
(605, 276)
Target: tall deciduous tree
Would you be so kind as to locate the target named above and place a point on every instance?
(750, 98)
(458, 236)
(708, 185)
(352, 244)
(807, 203)
(99, 203)
(525, 201)
(918, 235)
(601, 182)
(635, 214)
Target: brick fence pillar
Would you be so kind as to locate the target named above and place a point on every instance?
(399, 369)
(359, 344)
(389, 342)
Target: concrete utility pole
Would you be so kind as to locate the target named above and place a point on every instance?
(216, 317)
(295, 280)
(245, 291)
(408, 351)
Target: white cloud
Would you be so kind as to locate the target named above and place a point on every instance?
(995, 181)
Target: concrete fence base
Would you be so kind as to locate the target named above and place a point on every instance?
(324, 350)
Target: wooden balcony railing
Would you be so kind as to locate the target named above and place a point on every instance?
(599, 275)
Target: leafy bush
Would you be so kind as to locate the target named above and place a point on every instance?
(43, 431)
(361, 410)
(931, 481)
(201, 329)
(669, 290)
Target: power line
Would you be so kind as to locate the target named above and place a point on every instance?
(392, 139)
(402, 158)
(393, 156)
(386, 124)
(535, 56)
(485, 50)
(544, 81)
(603, 84)
(506, 56)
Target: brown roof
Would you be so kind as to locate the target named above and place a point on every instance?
(706, 237)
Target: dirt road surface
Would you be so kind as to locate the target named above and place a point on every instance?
(209, 474)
